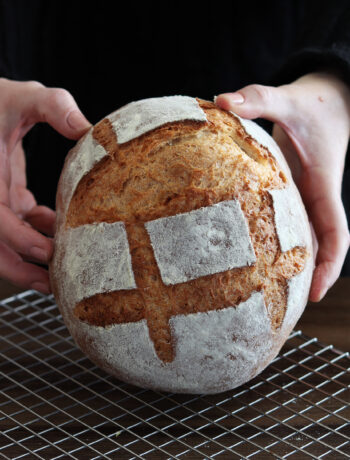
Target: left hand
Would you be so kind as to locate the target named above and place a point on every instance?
(24, 224)
(312, 128)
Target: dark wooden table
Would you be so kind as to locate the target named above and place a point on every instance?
(328, 320)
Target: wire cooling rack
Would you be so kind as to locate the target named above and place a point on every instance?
(54, 403)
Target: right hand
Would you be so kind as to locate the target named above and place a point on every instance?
(22, 104)
(312, 127)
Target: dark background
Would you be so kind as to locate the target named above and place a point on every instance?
(107, 56)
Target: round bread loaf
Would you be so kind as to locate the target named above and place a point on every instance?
(183, 255)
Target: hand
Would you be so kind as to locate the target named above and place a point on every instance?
(312, 127)
(22, 104)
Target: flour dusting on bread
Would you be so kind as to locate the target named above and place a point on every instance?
(185, 259)
(290, 220)
(87, 153)
(142, 116)
(201, 242)
(222, 348)
(94, 258)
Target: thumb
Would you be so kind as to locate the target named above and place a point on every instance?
(36, 103)
(258, 101)
(57, 107)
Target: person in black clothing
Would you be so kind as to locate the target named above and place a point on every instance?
(298, 52)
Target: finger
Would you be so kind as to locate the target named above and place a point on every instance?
(258, 101)
(32, 102)
(18, 166)
(333, 237)
(325, 208)
(43, 219)
(23, 239)
(21, 200)
(23, 274)
(314, 242)
(325, 275)
(57, 107)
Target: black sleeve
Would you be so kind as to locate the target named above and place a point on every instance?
(4, 61)
(322, 41)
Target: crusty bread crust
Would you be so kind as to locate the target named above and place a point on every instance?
(177, 168)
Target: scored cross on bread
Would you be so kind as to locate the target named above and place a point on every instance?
(172, 170)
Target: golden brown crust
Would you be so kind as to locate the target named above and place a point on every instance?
(173, 169)
(161, 173)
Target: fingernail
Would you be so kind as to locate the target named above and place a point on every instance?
(236, 98)
(41, 287)
(322, 293)
(39, 253)
(77, 121)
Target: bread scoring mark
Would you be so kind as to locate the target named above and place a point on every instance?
(201, 242)
(203, 349)
(256, 154)
(139, 117)
(104, 134)
(256, 134)
(158, 303)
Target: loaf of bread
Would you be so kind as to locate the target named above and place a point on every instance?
(183, 255)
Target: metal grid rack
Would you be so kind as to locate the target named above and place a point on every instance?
(54, 403)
